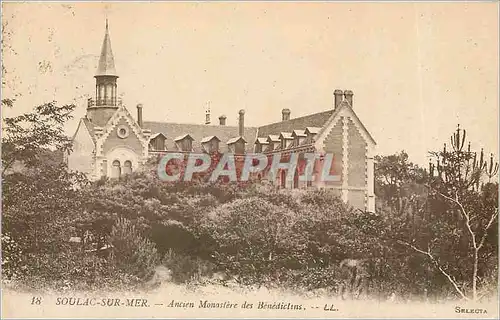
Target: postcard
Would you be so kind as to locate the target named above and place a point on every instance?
(250, 160)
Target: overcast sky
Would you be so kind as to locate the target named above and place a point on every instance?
(416, 69)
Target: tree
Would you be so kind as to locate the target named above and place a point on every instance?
(463, 210)
(40, 197)
(397, 180)
(39, 206)
(287, 237)
(27, 137)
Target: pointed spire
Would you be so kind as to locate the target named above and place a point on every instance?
(106, 60)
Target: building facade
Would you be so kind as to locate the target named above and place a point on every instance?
(110, 142)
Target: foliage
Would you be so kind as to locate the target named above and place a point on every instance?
(41, 207)
(132, 253)
(278, 235)
(397, 182)
(38, 205)
(432, 233)
(11, 257)
(452, 227)
(187, 269)
(26, 137)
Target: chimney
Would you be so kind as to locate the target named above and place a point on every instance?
(348, 96)
(285, 114)
(139, 114)
(207, 116)
(222, 120)
(242, 122)
(338, 98)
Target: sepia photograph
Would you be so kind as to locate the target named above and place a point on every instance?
(240, 159)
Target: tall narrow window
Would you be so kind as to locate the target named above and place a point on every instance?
(160, 143)
(283, 178)
(127, 167)
(111, 94)
(309, 183)
(116, 171)
(296, 179)
(239, 147)
(104, 168)
(101, 95)
(106, 94)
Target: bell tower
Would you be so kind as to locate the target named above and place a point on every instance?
(103, 106)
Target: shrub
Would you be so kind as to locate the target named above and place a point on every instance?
(11, 258)
(270, 236)
(131, 253)
(185, 268)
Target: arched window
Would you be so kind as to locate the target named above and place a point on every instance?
(116, 171)
(109, 94)
(101, 95)
(127, 167)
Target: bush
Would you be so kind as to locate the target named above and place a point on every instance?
(11, 258)
(131, 253)
(271, 236)
(72, 269)
(186, 269)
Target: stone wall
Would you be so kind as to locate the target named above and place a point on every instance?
(357, 157)
(81, 158)
(131, 141)
(333, 144)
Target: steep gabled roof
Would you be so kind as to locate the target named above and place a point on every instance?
(153, 136)
(209, 138)
(182, 137)
(90, 128)
(234, 140)
(363, 126)
(312, 130)
(273, 138)
(298, 133)
(345, 105)
(261, 141)
(198, 132)
(286, 135)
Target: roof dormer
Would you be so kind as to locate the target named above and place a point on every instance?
(237, 145)
(261, 144)
(286, 139)
(273, 142)
(210, 144)
(184, 142)
(298, 137)
(311, 133)
(157, 142)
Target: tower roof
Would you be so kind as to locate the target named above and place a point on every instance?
(106, 60)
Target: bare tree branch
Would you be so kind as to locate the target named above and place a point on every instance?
(483, 238)
(464, 214)
(428, 254)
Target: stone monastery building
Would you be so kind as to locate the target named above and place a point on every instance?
(110, 142)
